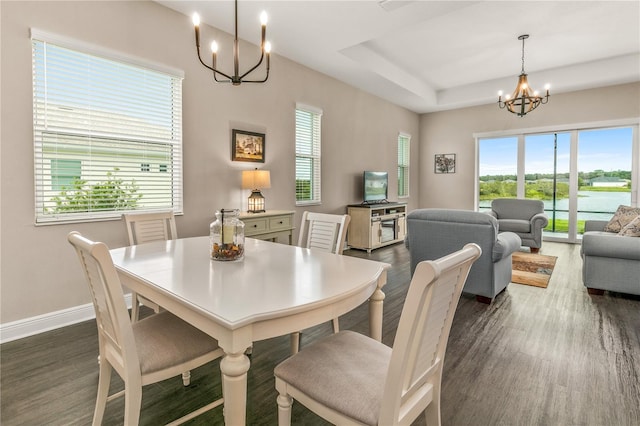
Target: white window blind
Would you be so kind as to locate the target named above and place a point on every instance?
(107, 136)
(308, 123)
(403, 164)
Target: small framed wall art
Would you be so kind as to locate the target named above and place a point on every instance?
(247, 146)
(445, 163)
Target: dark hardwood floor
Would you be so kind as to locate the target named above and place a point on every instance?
(554, 356)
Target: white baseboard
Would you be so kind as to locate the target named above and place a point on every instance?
(39, 324)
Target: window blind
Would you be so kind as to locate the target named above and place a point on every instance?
(403, 164)
(308, 124)
(107, 136)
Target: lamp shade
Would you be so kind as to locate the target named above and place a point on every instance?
(256, 179)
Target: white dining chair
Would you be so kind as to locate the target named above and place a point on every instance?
(322, 232)
(156, 348)
(144, 228)
(348, 378)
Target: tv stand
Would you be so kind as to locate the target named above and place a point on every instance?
(376, 225)
(373, 203)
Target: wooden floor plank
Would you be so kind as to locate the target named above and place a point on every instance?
(533, 357)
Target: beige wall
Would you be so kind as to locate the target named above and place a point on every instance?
(452, 132)
(38, 269)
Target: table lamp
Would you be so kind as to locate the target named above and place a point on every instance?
(255, 180)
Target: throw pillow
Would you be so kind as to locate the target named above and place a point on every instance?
(623, 216)
(632, 229)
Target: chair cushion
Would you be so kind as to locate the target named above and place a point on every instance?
(516, 208)
(623, 216)
(164, 340)
(345, 371)
(514, 225)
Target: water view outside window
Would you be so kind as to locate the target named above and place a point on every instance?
(602, 180)
(604, 172)
(498, 170)
(546, 174)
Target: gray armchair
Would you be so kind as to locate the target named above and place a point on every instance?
(609, 261)
(524, 217)
(433, 233)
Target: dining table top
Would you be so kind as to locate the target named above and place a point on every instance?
(271, 280)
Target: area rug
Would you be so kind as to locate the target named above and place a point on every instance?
(532, 269)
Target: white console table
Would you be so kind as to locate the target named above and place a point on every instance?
(269, 225)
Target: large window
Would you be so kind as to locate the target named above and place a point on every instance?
(107, 133)
(579, 174)
(403, 164)
(308, 120)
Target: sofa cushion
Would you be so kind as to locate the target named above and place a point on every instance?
(623, 216)
(608, 244)
(632, 229)
(514, 225)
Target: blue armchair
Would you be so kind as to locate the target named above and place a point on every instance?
(433, 233)
(524, 217)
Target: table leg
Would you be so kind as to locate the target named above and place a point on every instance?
(375, 315)
(234, 369)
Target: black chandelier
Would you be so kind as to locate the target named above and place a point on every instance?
(523, 100)
(236, 79)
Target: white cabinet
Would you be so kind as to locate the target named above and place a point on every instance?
(272, 225)
(376, 225)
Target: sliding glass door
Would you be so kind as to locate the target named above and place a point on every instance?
(578, 174)
(604, 172)
(497, 160)
(547, 175)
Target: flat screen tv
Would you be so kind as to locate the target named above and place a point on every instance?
(375, 187)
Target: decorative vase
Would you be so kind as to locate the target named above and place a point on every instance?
(226, 236)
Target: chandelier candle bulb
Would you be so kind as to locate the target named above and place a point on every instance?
(196, 24)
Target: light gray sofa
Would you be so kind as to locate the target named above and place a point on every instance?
(524, 217)
(609, 261)
(433, 233)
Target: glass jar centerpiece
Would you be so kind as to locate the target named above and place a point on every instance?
(226, 236)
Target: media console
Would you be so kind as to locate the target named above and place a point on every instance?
(376, 225)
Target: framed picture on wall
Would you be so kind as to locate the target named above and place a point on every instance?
(445, 163)
(247, 146)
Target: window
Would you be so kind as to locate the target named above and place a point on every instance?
(102, 126)
(580, 174)
(307, 155)
(403, 164)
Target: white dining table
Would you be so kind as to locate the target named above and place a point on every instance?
(275, 290)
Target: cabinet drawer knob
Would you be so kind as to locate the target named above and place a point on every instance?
(255, 225)
(281, 222)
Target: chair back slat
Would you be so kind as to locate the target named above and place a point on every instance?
(323, 232)
(147, 227)
(112, 317)
(422, 335)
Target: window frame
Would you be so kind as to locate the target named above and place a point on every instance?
(314, 142)
(404, 165)
(50, 127)
(574, 130)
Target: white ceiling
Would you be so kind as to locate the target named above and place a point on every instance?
(436, 55)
